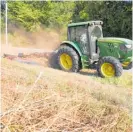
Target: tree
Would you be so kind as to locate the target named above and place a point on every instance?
(24, 14)
(116, 15)
(31, 14)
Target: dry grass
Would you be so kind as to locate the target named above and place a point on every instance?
(40, 99)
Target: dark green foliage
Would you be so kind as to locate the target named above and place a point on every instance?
(2, 15)
(23, 13)
(116, 15)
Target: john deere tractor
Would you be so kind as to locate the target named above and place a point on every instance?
(86, 46)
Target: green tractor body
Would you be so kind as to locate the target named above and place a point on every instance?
(117, 47)
(87, 41)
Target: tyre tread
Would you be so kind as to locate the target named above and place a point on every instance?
(112, 60)
(74, 55)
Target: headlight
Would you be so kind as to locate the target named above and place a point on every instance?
(125, 47)
(128, 46)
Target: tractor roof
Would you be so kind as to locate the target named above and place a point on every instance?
(85, 23)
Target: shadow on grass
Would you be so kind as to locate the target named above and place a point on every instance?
(88, 73)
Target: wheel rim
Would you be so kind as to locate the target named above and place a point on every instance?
(66, 61)
(108, 70)
(125, 64)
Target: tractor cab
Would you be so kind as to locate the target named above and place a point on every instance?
(86, 35)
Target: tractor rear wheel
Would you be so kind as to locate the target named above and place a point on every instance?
(68, 59)
(109, 67)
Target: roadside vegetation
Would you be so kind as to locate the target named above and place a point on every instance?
(37, 98)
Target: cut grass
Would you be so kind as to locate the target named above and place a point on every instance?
(57, 101)
(125, 80)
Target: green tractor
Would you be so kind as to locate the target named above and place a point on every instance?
(86, 46)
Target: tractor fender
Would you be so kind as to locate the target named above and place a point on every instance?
(73, 45)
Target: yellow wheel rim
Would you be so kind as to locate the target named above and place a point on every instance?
(66, 61)
(125, 64)
(108, 70)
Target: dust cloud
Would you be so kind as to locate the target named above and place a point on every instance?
(41, 39)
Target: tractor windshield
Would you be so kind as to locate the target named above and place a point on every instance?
(78, 34)
(96, 31)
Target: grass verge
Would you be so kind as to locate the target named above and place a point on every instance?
(36, 98)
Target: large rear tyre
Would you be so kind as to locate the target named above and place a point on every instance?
(67, 59)
(109, 67)
(53, 61)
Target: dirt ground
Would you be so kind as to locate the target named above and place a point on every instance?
(15, 50)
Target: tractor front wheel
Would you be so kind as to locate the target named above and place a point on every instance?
(68, 59)
(129, 66)
(109, 67)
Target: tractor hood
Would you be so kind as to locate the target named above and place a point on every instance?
(115, 40)
(119, 48)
